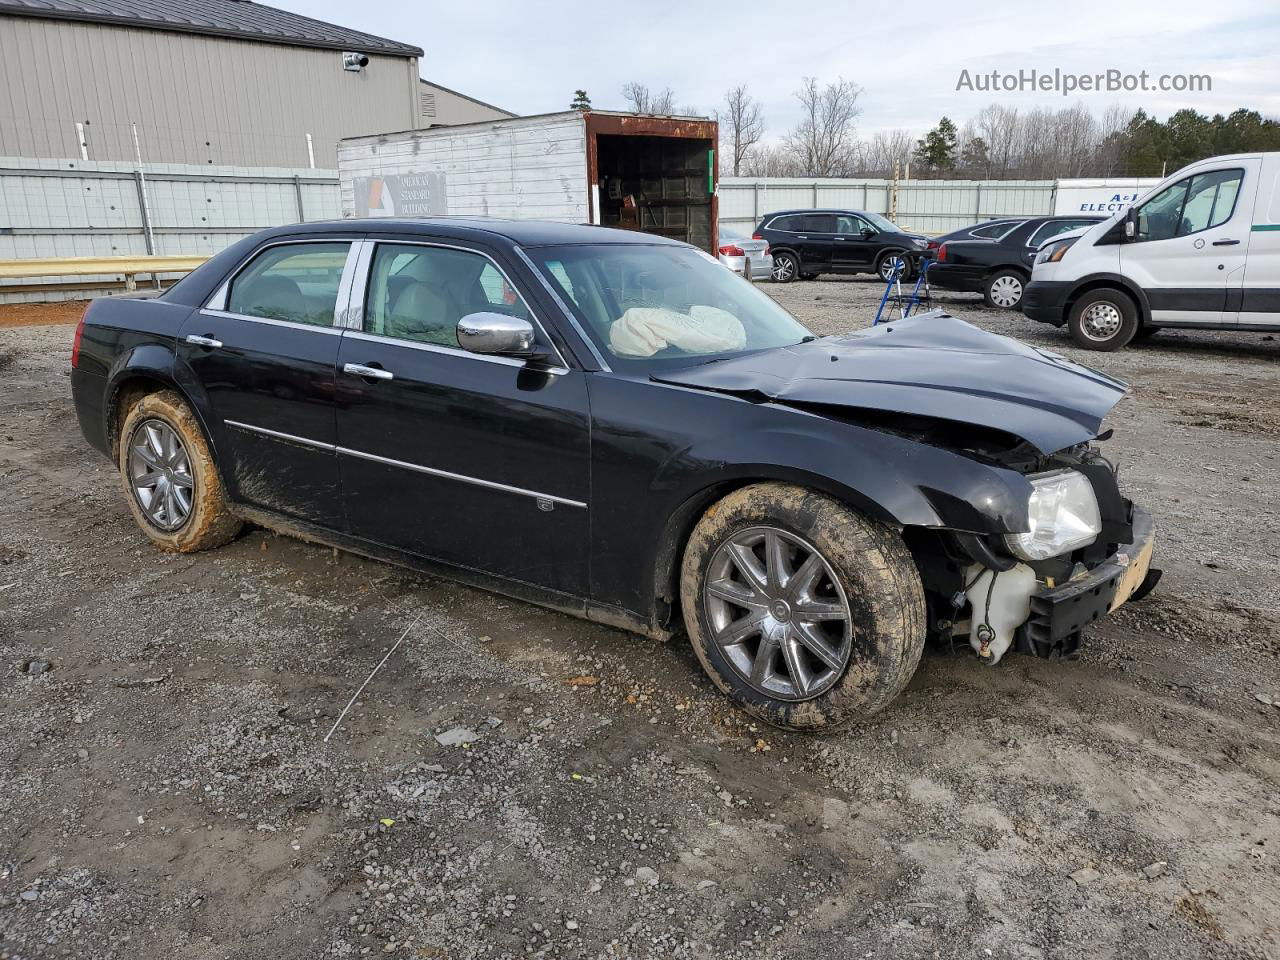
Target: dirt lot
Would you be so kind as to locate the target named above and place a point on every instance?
(165, 790)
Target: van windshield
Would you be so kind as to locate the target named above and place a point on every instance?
(652, 305)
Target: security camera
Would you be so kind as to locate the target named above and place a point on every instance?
(355, 62)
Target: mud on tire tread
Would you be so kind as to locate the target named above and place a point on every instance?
(880, 580)
(211, 523)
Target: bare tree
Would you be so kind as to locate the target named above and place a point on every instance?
(877, 156)
(744, 122)
(771, 160)
(823, 140)
(642, 100)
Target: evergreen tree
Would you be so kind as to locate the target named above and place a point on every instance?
(580, 101)
(937, 151)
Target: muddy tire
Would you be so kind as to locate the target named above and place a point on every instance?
(765, 617)
(170, 480)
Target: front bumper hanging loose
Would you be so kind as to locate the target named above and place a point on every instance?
(1060, 614)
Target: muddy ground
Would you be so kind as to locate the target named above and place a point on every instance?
(166, 790)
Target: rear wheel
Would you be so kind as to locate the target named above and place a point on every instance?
(804, 612)
(1004, 289)
(785, 267)
(1103, 320)
(170, 479)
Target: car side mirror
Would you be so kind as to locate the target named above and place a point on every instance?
(867, 233)
(496, 333)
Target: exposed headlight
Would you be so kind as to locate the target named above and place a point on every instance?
(920, 242)
(1055, 251)
(1063, 516)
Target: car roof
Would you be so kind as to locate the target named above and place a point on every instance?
(780, 213)
(526, 233)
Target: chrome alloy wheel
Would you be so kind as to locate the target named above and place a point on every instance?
(784, 269)
(891, 267)
(1101, 321)
(160, 474)
(1006, 291)
(778, 613)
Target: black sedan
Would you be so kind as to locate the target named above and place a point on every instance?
(614, 425)
(998, 268)
(806, 243)
(987, 230)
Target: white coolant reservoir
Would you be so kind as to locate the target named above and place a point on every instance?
(997, 609)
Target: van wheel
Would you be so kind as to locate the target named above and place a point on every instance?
(804, 612)
(1004, 290)
(170, 479)
(785, 268)
(1103, 320)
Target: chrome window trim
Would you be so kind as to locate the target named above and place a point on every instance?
(217, 304)
(565, 310)
(278, 435)
(350, 270)
(462, 478)
(360, 288)
(292, 324)
(405, 465)
(452, 351)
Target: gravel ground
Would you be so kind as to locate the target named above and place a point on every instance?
(518, 783)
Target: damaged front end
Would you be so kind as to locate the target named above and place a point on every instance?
(1036, 592)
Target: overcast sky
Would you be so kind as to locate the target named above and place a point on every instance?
(908, 58)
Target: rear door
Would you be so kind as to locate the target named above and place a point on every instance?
(1188, 254)
(262, 353)
(816, 242)
(478, 461)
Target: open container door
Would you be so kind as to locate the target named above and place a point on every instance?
(654, 174)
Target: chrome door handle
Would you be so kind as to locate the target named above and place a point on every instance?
(1225, 243)
(373, 373)
(209, 342)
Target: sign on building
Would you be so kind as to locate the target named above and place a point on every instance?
(401, 195)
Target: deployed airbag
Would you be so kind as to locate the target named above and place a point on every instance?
(643, 331)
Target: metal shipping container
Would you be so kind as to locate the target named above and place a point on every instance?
(647, 173)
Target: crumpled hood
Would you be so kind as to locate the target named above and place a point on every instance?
(932, 365)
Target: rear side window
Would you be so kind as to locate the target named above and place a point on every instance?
(993, 231)
(420, 293)
(297, 282)
(789, 223)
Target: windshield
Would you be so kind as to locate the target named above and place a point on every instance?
(883, 223)
(664, 305)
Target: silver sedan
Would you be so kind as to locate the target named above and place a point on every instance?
(744, 256)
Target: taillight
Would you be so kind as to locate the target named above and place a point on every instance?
(757, 235)
(729, 250)
(942, 253)
(75, 342)
(932, 245)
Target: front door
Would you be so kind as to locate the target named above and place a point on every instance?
(857, 243)
(478, 461)
(1188, 252)
(261, 359)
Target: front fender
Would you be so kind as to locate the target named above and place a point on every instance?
(895, 479)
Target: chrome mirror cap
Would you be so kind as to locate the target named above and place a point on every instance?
(495, 333)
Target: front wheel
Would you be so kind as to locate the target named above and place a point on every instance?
(1004, 290)
(1103, 320)
(169, 476)
(894, 264)
(785, 268)
(804, 612)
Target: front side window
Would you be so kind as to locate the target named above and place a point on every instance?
(297, 282)
(849, 225)
(420, 293)
(664, 305)
(1054, 227)
(1190, 205)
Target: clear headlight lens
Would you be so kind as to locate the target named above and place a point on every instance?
(1063, 515)
(1055, 251)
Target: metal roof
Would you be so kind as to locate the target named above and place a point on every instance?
(240, 19)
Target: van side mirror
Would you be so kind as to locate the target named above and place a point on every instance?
(1131, 223)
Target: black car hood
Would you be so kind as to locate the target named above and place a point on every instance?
(931, 365)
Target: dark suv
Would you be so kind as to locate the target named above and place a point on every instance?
(806, 243)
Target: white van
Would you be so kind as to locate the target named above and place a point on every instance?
(1201, 249)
